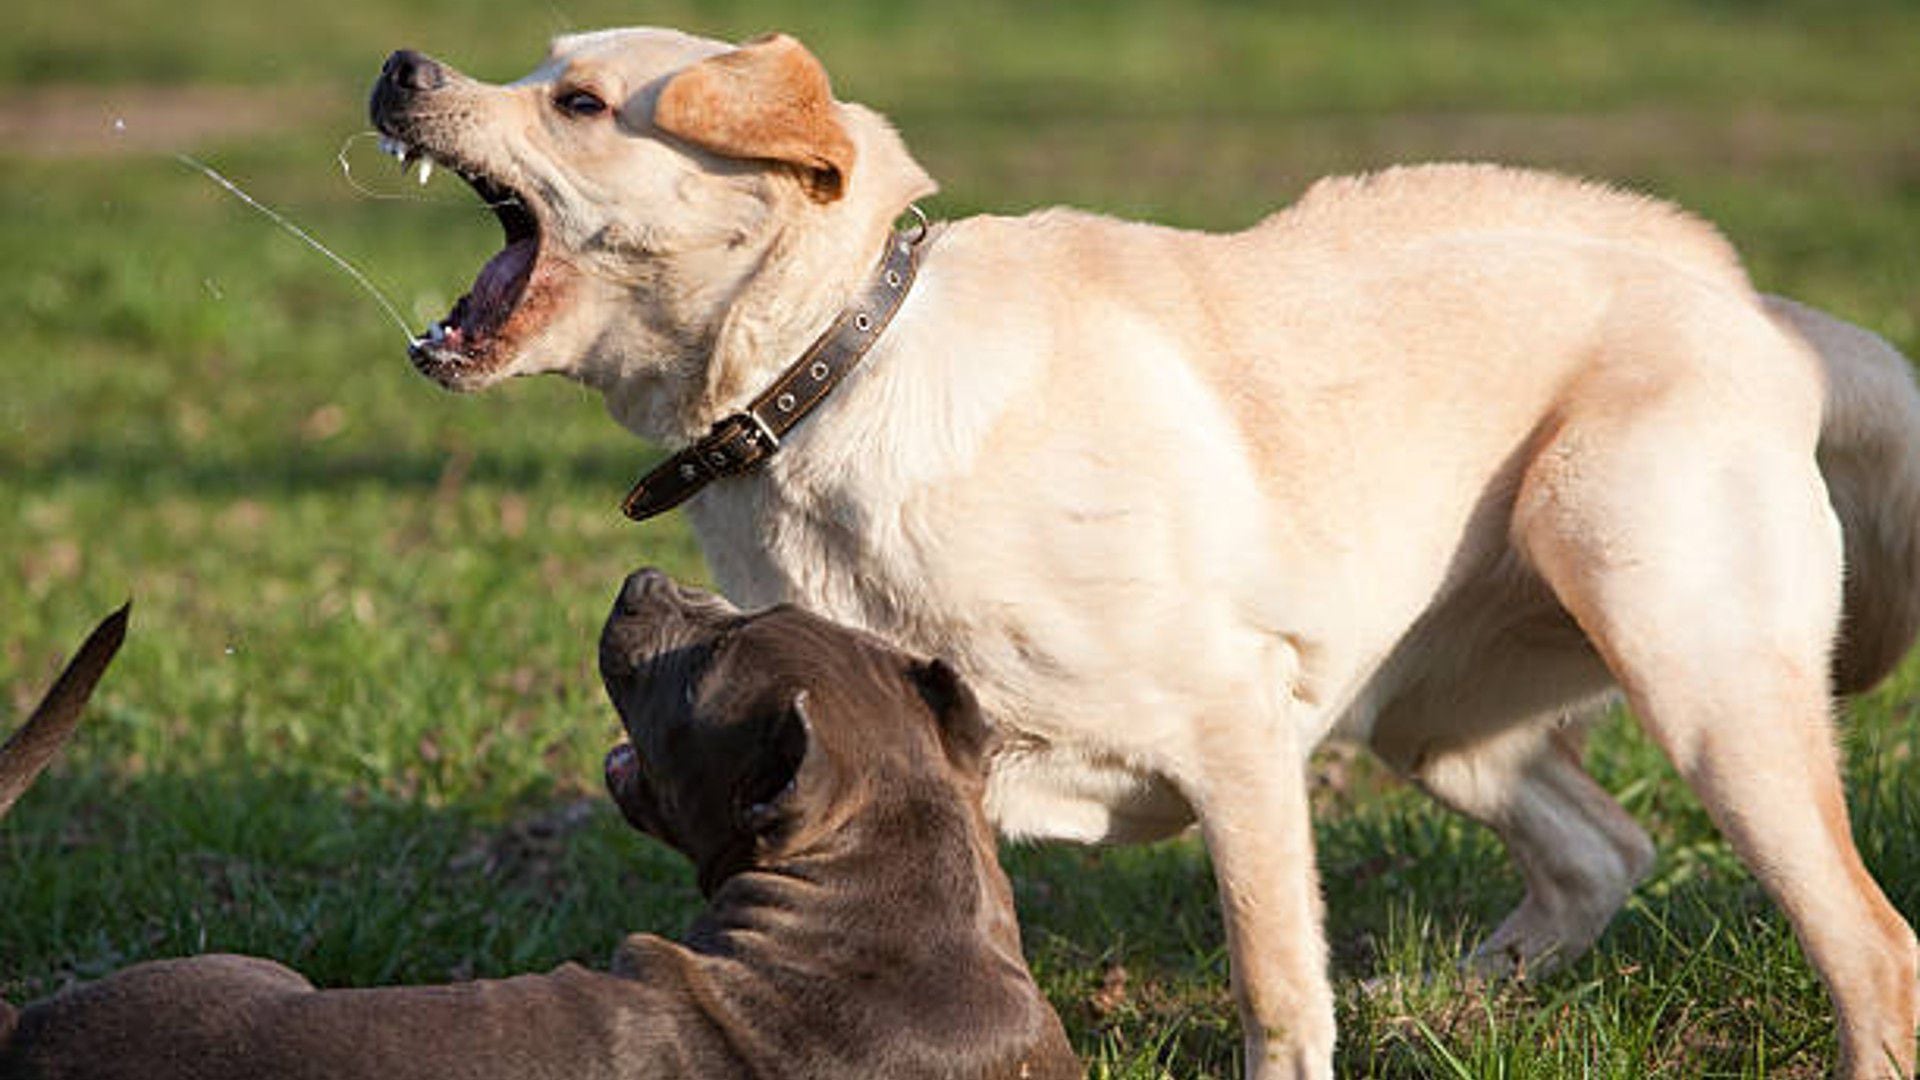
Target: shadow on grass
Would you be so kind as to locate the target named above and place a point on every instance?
(102, 871)
(296, 467)
(1129, 943)
(99, 870)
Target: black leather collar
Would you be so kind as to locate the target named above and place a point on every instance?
(740, 442)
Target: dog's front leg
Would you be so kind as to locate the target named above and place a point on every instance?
(1251, 794)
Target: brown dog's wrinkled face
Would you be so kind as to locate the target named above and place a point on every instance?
(755, 733)
(637, 174)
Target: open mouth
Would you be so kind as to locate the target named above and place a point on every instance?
(622, 767)
(467, 342)
(630, 791)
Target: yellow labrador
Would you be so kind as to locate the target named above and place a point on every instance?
(1436, 459)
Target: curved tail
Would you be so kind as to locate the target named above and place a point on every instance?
(28, 750)
(1870, 458)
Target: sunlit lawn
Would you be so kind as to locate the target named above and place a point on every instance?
(357, 726)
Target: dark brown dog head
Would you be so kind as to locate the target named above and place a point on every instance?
(754, 735)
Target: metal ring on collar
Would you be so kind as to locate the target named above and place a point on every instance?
(920, 224)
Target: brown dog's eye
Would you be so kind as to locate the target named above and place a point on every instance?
(580, 103)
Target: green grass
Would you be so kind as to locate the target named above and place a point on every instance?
(357, 727)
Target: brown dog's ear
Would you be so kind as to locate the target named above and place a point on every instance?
(964, 732)
(769, 100)
(760, 800)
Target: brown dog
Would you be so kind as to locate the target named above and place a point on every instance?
(828, 790)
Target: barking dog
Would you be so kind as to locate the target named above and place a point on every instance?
(1435, 460)
(827, 788)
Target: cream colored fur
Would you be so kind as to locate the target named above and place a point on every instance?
(1435, 460)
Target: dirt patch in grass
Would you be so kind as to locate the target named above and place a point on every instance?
(94, 121)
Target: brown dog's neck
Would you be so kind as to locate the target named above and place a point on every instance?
(924, 859)
(888, 948)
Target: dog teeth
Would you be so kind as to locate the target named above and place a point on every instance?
(409, 157)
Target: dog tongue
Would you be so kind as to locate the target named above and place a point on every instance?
(498, 287)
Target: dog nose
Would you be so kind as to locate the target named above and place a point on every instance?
(409, 70)
(641, 587)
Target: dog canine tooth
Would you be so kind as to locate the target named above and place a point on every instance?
(426, 170)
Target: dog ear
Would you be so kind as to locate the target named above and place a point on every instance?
(760, 800)
(964, 732)
(770, 100)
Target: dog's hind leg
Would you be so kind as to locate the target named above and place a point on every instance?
(1689, 534)
(1578, 851)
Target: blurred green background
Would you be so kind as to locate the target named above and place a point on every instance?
(357, 726)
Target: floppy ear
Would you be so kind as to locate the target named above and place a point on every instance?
(964, 733)
(770, 100)
(760, 798)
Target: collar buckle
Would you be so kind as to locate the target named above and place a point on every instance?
(735, 444)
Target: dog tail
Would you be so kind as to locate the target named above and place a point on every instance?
(1870, 458)
(28, 750)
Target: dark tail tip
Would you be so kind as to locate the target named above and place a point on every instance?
(28, 750)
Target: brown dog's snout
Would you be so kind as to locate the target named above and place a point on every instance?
(654, 614)
(410, 71)
(642, 588)
(652, 593)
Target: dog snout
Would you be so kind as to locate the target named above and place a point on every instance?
(639, 623)
(643, 589)
(655, 615)
(651, 592)
(410, 72)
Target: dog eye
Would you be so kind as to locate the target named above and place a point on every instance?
(580, 103)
